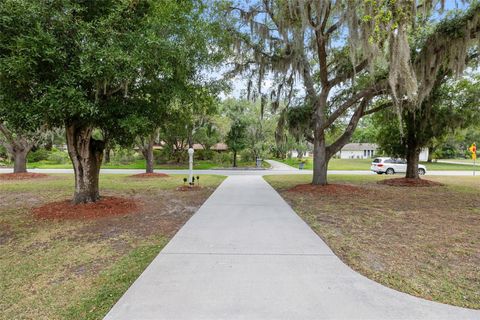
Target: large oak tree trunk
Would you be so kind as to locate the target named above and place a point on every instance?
(412, 163)
(147, 151)
(234, 158)
(86, 154)
(18, 147)
(19, 160)
(413, 134)
(413, 153)
(320, 161)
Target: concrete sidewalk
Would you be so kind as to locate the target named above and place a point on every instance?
(246, 255)
(279, 166)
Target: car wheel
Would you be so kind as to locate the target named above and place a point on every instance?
(379, 172)
(421, 171)
(390, 171)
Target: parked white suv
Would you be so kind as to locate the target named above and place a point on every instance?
(392, 166)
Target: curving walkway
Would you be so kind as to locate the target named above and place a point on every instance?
(247, 255)
(277, 165)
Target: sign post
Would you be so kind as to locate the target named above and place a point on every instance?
(190, 166)
(473, 150)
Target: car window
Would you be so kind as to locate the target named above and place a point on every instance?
(389, 161)
(377, 160)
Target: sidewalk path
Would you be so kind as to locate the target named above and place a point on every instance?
(277, 165)
(246, 255)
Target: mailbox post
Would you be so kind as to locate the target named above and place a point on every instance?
(190, 165)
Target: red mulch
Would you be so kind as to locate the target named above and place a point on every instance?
(329, 189)
(188, 188)
(408, 182)
(149, 175)
(66, 210)
(22, 176)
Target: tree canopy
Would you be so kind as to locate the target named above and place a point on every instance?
(333, 59)
(101, 69)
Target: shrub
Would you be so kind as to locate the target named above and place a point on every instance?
(222, 158)
(247, 156)
(161, 156)
(38, 155)
(204, 154)
(125, 156)
(3, 153)
(58, 157)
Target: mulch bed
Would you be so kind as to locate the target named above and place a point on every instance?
(66, 210)
(150, 175)
(329, 189)
(22, 176)
(188, 188)
(408, 182)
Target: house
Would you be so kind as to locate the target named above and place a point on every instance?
(218, 147)
(357, 151)
(367, 151)
(294, 154)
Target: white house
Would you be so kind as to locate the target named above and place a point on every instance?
(366, 151)
(357, 151)
(294, 154)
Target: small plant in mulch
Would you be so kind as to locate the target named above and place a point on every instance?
(329, 189)
(408, 182)
(22, 176)
(188, 188)
(191, 185)
(150, 175)
(66, 210)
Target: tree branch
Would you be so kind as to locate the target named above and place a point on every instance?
(345, 106)
(345, 137)
(349, 74)
(381, 107)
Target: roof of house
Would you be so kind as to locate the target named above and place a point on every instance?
(359, 146)
(197, 146)
(217, 147)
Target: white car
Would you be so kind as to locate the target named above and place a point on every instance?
(392, 166)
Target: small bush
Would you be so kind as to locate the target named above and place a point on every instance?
(58, 157)
(161, 156)
(38, 155)
(247, 156)
(3, 153)
(204, 154)
(125, 156)
(222, 158)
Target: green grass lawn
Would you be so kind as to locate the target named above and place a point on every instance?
(140, 164)
(137, 164)
(462, 160)
(420, 240)
(77, 269)
(364, 164)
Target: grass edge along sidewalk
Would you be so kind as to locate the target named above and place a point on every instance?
(420, 240)
(78, 268)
